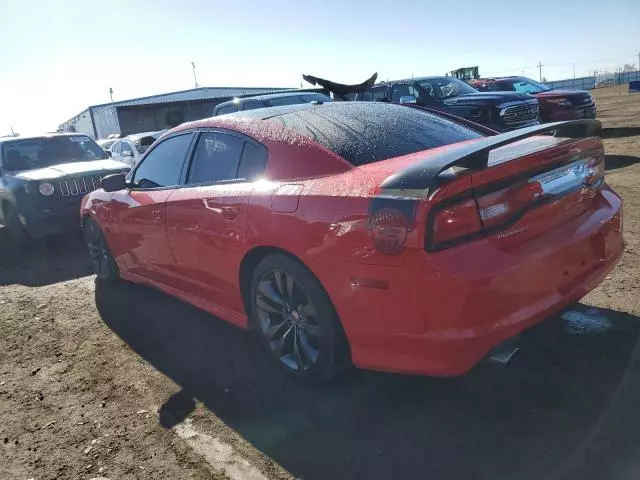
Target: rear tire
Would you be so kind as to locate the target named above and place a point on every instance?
(295, 320)
(102, 261)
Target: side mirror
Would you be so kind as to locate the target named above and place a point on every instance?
(408, 99)
(115, 182)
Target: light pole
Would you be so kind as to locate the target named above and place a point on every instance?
(193, 65)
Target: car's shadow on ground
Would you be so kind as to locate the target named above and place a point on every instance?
(612, 162)
(43, 262)
(523, 421)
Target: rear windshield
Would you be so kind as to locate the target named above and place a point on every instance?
(33, 153)
(363, 132)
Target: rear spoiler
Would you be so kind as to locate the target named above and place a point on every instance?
(475, 155)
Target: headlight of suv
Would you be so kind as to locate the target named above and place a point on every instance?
(46, 189)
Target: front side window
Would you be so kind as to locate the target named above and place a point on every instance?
(445, 87)
(42, 152)
(163, 165)
(216, 158)
(376, 94)
(402, 90)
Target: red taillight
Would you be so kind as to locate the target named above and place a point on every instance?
(498, 208)
(455, 221)
(486, 212)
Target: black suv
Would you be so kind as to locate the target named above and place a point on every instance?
(43, 179)
(500, 111)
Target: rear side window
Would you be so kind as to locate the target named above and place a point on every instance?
(364, 133)
(162, 165)
(216, 158)
(376, 94)
(221, 157)
(227, 109)
(252, 162)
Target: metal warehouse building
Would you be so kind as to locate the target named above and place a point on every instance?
(156, 112)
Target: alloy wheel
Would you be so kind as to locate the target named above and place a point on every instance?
(98, 251)
(288, 320)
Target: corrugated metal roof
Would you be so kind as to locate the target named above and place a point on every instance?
(202, 93)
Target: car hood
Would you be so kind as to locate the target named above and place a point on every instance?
(488, 98)
(56, 171)
(562, 93)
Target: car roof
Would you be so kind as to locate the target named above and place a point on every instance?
(45, 135)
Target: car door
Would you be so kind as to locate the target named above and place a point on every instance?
(207, 218)
(138, 218)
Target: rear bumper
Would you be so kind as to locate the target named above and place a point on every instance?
(442, 312)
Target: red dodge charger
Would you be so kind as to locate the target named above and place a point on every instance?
(372, 234)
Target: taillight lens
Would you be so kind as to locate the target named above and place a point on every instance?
(594, 172)
(486, 212)
(456, 221)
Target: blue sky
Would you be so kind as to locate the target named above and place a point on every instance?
(58, 57)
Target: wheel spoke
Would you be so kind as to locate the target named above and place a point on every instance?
(262, 304)
(266, 289)
(296, 351)
(280, 278)
(274, 328)
(278, 344)
(308, 350)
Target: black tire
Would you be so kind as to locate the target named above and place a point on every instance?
(296, 321)
(18, 235)
(102, 261)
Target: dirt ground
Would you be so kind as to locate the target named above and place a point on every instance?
(97, 381)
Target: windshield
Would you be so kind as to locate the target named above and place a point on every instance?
(43, 152)
(445, 87)
(522, 85)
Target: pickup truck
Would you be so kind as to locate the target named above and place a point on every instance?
(555, 105)
(500, 111)
(43, 179)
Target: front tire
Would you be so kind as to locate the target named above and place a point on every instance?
(102, 261)
(296, 321)
(17, 232)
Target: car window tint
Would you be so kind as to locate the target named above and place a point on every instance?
(252, 105)
(252, 162)
(402, 90)
(227, 109)
(216, 158)
(126, 148)
(288, 100)
(162, 166)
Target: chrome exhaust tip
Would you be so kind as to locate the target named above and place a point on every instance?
(503, 354)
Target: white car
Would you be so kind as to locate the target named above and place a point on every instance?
(130, 149)
(106, 144)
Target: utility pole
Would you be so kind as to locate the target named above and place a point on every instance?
(540, 68)
(111, 94)
(194, 74)
(574, 70)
